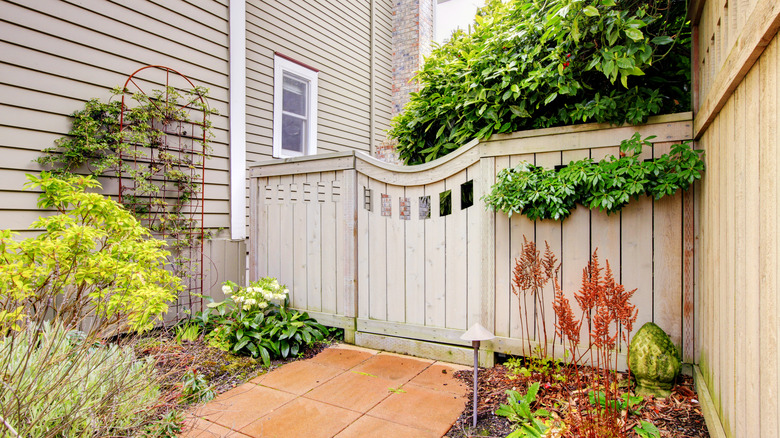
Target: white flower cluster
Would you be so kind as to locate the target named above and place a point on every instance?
(258, 293)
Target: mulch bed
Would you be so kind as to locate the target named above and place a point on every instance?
(678, 415)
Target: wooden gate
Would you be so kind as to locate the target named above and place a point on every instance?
(408, 258)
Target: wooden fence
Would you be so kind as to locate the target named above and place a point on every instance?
(373, 247)
(736, 100)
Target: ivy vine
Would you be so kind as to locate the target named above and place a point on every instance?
(608, 185)
(162, 178)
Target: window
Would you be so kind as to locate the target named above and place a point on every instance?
(295, 109)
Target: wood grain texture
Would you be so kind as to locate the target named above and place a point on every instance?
(456, 257)
(436, 280)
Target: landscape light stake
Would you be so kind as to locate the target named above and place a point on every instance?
(476, 334)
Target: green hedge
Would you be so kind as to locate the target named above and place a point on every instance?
(534, 64)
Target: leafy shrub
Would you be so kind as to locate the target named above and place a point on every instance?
(608, 185)
(92, 259)
(255, 320)
(195, 387)
(533, 64)
(58, 384)
(527, 423)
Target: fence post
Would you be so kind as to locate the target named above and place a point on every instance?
(487, 300)
(350, 251)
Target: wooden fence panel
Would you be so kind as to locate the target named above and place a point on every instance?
(395, 268)
(427, 274)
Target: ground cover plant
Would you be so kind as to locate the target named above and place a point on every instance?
(533, 64)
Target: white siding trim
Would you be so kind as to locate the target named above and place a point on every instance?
(282, 65)
(237, 119)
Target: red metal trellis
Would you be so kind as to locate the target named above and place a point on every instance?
(162, 174)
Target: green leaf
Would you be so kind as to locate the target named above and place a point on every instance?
(266, 357)
(634, 34)
(241, 344)
(662, 40)
(591, 11)
(550, 98)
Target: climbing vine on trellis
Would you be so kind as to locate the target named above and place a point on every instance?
(156, 146)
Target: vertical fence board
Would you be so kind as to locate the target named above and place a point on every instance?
(396, 258)
(300, 278)
(377, 253)
(363, 242)
(739, 154)
(520, 227)
(727, 260)
(576, 247)
(261, 233)
(636, 248)
(667, 247)
(274, 227)
(328, 209)
(415, 258)
(285, 256)
(456, 257)
(752, 252)
(548, 231)
(474, 248)
(486, 287)
(347, 244)
(313, 244)
(256, 225)
(503, 265)
(435, 267)
(768, 246)
(605, 229)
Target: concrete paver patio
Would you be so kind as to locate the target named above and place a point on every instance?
(345, 392)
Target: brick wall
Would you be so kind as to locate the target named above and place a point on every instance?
(412, 38)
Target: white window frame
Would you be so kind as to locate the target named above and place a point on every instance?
(282, 65)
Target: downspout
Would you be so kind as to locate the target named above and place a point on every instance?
(237, 55)
(372, 96)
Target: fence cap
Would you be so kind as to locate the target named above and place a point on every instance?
(477, 333)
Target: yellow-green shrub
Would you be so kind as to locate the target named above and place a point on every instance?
(92, 259)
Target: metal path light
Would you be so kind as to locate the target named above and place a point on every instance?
(476, 334)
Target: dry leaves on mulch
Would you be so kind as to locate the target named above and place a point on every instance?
(678, 415)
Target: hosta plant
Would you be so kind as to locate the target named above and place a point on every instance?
(255, 320)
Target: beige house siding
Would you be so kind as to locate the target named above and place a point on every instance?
(334, 37)
(738, 269)
(55, 55)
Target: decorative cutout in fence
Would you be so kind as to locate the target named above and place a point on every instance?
(408, 283)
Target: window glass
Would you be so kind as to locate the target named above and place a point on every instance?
(293, 133)
(294, 96)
